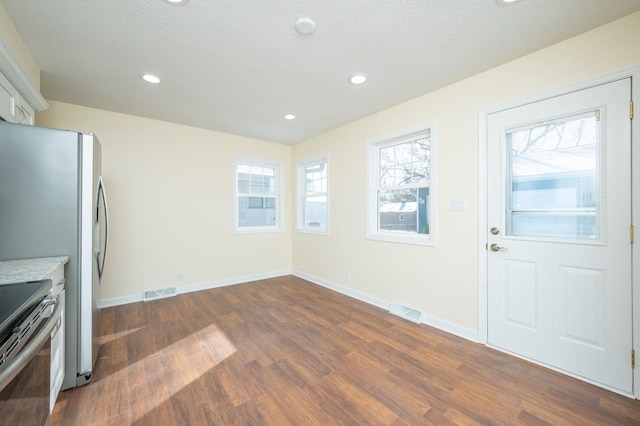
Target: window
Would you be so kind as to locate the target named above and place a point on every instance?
(257, 196)
(401, 189)
(554, 173)
(313, 209)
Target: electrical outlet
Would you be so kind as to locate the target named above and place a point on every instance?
(348, 277)
(180, 276)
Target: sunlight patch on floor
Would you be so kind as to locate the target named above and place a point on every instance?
(115, 336)
(177, 366)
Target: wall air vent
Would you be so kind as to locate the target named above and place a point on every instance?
(158, 294)
(406, 313)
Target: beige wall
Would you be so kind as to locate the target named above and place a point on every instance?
(14, 42)
(170, 194)
(170, 189)
(442, 281)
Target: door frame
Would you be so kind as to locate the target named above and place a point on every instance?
(483, 223)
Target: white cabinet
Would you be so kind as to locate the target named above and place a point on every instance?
(19, 98)
(13, 106)
(57, 338)
(22, 111)
(8, 95)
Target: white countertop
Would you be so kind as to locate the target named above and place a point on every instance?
(21, 270)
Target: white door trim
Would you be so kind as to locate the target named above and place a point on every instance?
(634, 73)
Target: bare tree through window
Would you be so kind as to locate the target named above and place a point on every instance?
(404, 178)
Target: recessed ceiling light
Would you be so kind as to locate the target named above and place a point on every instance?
(177, 2)
(357, 79)
(289, 116)
(505, 2)
(150, 78)
(305, 26)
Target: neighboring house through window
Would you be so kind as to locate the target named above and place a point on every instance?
(313, 209)
(400, 193)
(257, 196)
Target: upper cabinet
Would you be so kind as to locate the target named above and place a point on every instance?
(8, 95)
(19, 98)
(23, 111)
(13, 106)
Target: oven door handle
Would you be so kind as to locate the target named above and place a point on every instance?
(26, 355)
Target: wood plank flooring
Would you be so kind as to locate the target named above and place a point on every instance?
(284, 351)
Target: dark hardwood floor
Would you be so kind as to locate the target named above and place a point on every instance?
(284, 351)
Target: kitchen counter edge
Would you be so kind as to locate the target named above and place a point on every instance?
(23, 270)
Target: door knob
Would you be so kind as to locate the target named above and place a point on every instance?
(495, 247)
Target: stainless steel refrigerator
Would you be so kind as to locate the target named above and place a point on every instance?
(52, 203)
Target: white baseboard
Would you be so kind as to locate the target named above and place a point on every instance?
(451, 328)
(123, 300)
(464, 332)
(457, 330)
(231, 281)
(364, 297)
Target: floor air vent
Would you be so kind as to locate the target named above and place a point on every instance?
(406, 313)
(159, 294)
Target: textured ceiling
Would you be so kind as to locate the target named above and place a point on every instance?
(237, 66)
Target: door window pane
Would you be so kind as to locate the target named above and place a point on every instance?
(553, 177)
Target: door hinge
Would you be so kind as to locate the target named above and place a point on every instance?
(632, 234)
(633, 358)
(631, 110)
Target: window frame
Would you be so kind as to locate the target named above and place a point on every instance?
(373, 187)
(301, 194)
(277, 195)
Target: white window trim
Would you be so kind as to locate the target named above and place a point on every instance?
(301, 192)
(277, 166)
(373, 161)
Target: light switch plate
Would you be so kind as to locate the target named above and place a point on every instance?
(458, 204)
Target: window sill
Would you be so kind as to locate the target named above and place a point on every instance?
(402, 239)
(312, 231)
(257, 229)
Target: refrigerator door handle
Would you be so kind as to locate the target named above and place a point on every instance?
(101, 189)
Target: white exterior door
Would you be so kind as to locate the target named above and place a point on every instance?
(559, 249)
